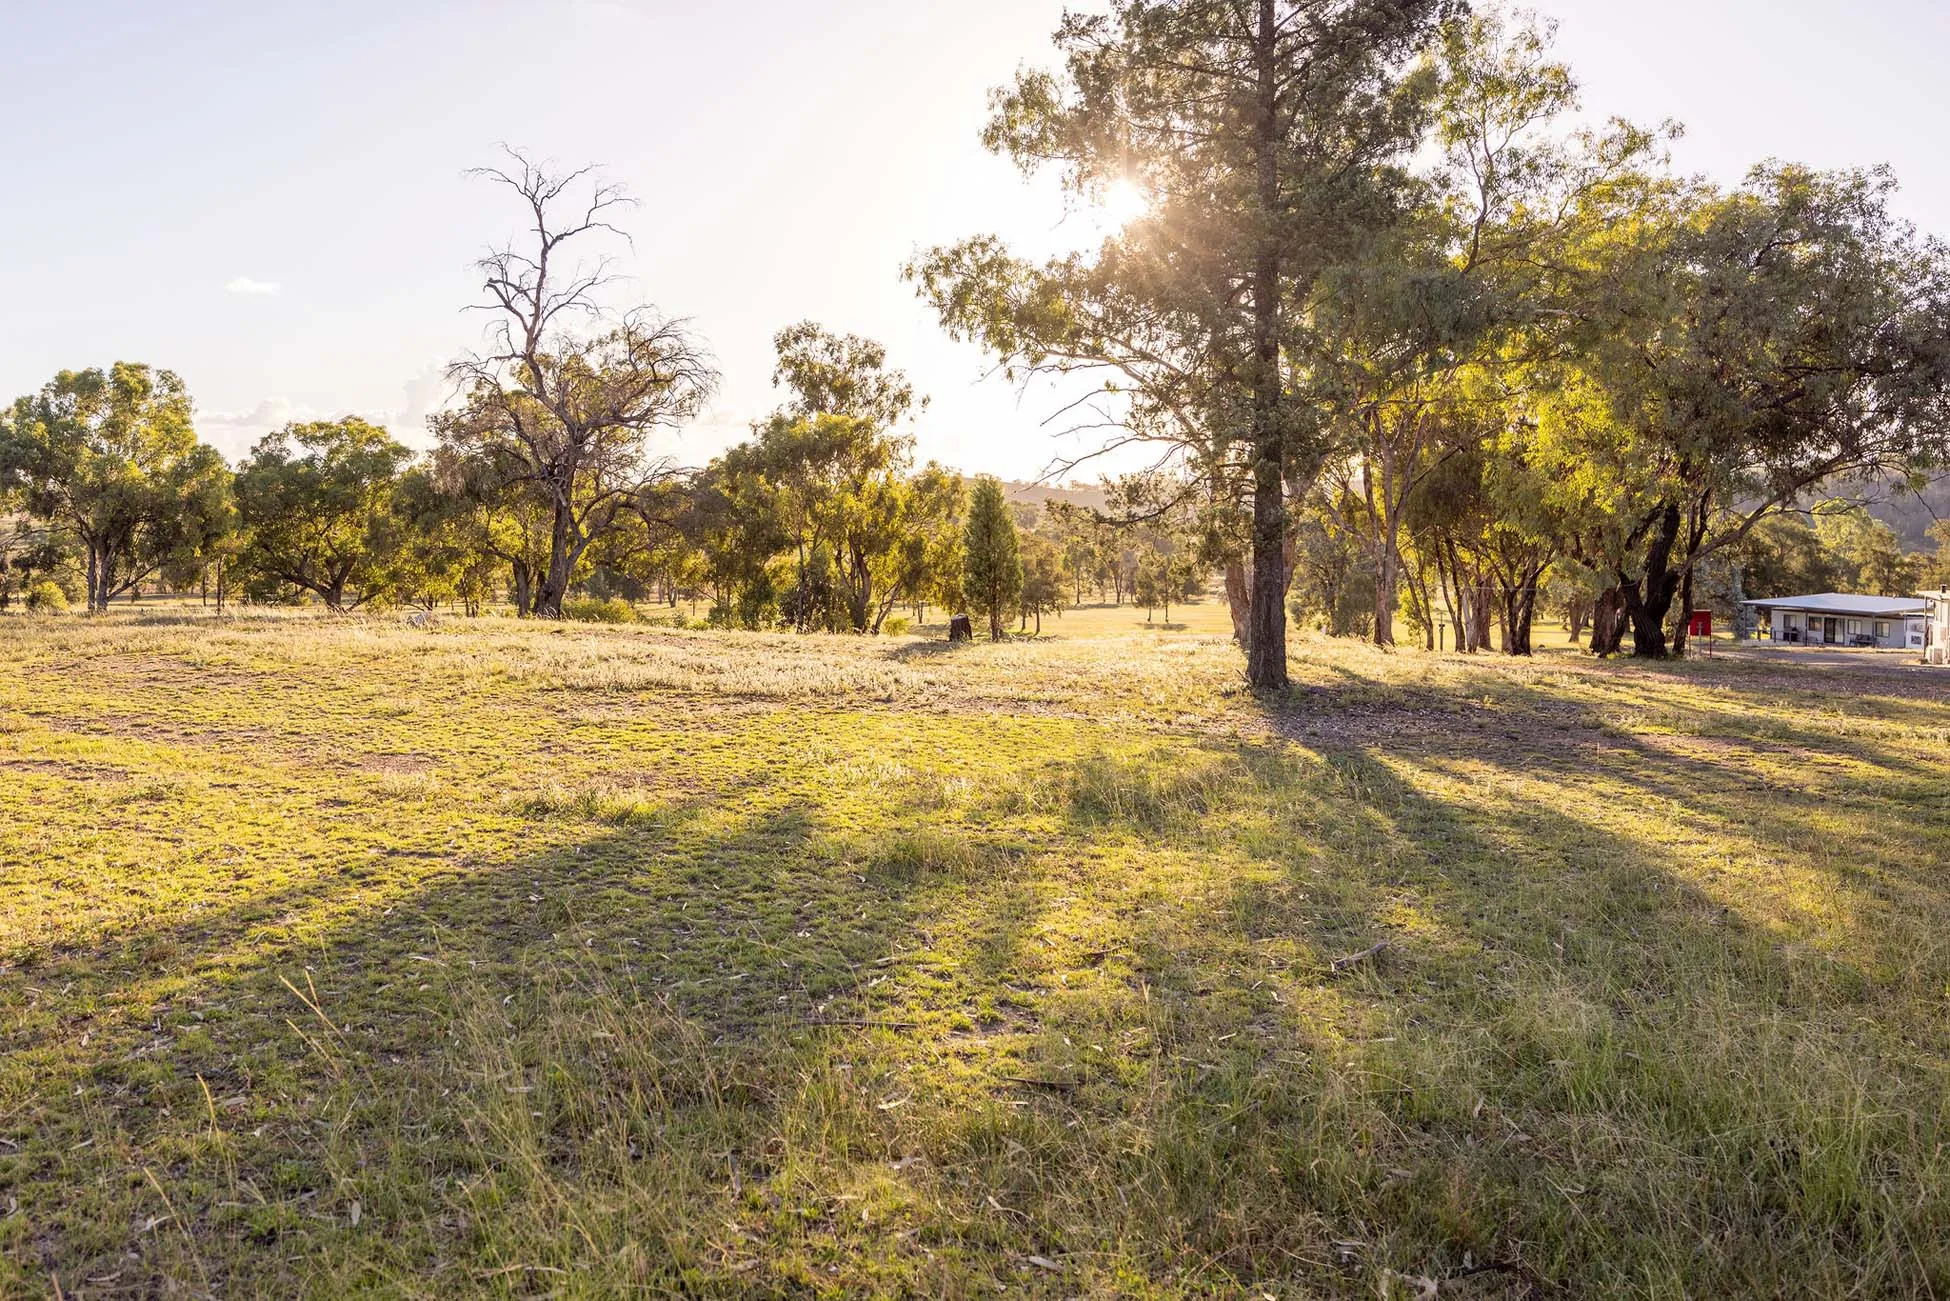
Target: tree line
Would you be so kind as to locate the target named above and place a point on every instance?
(540, 483)
(1413, 346)
(819, 522)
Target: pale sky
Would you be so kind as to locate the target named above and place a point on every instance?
(270, 199)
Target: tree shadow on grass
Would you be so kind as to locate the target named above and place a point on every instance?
(1546, 892)
(731, 1046)
(707, 1007)
(1559, 1008)
(923, 651)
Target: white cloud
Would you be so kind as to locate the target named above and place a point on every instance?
(427, 392)
(233, 432)
(246, 285)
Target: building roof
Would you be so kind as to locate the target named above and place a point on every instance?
(1846, 603)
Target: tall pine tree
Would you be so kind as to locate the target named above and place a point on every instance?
(992, 574)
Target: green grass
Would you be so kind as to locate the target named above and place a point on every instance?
(344, 956)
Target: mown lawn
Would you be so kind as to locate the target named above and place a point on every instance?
(343, 956)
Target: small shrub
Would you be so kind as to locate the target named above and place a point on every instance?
(588, 609)
(895, 627)
(46, 597)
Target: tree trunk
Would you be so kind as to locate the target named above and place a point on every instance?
(1608, 622)
(523, 589)
(1386, 568)
(1480, 605)
(561, 563)
(1266, 647)
(862, 593)
(1683, 626)
(1450, 577)
(1239, 601)
(1648, 601)
(1522, 605)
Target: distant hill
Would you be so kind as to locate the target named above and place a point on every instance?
(1079, 494)
(1909, 513)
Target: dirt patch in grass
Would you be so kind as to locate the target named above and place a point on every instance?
(66, 769)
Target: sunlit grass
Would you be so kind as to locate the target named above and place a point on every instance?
(341, 955)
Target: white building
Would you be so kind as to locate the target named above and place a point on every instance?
(1844, 619)
(1938, 651)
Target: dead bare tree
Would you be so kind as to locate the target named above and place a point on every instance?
(567, 391)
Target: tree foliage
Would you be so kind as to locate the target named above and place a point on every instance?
(991, 556)
(316, 501)
(112, 458)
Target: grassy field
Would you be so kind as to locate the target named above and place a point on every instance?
(344, 956)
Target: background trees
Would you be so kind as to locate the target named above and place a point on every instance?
(1750, 346)
(1410, 347)
(1371, 250)
(835, 464)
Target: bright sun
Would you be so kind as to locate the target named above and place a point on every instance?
(1124, 201)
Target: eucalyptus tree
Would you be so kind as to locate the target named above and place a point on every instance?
(436, 549)
(1042, 581)
(1758, 344)
(31, 551)
(507, 518)
(1865, 553)
(568, 389)
(730, 516)
(837, 462)
(1426, 338)
(316, 502)
(1268, 135)
(112, 458)
(931, 554)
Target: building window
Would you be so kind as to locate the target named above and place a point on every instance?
(1882, 629)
